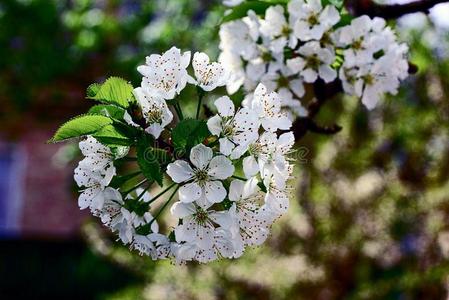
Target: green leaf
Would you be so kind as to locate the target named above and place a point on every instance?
(189, 133)
(147, 159)
(107, 110)
(337, 3)
(345, 19)
(80, 126)
(240, 11)
(109, 135)
(113, 91)
(93, 89)
(128, 130)
(262, 187)
(118, 181)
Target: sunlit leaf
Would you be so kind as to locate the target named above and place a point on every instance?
(80, 126)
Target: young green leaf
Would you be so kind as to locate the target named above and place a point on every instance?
(337, 3)
(118, 181)
(93, 89)
(344, 20)
(109, 135)
(259, 7)
(113, 91)
(147, 160)
(189, 133)
(107, 110)
(80, 126)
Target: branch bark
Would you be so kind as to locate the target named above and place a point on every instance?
(323, 92)
(393, 11)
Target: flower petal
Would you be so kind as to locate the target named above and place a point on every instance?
(189, 192)
(250, 166)
(214, 125)
(214, 191)
(236, 190)
(220, 167)
(182, 210)
(200, 156)
(179, 171)
(226, 146)
(225, 106)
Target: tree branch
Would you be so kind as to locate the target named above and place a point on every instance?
(393, 11)
(323, 92)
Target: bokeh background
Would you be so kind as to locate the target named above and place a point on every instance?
(369, 215)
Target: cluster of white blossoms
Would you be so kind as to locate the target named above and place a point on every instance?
(374, 62)
(297, 44)
(226, 191)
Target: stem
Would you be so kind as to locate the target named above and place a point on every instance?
(200, 100)
(238, 177)
(127, 158)
(135, 187)
(179, 111)
(165, 205)
(132, 175)
(161, 193)
(143, 193)
(392, 11)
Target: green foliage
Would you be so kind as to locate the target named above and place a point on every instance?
(148, 160)
(345, 19)
(80, 126)
(118, 181)
(337, 3)
(189, 133)
(241, 10)
(113, 91)
(110, 135)
(108, 110)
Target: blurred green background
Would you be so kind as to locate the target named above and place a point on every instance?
(370, 207)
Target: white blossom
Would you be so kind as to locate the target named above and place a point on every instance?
(202, 182)
(313, 61)
(208, 75)
(166, 74)
(232, 2)
(311, 20)
(198, 227)
(253, 225)
(374, 62)
(233, 128)
(268, 106)
(150, 245)
(94, 173)
(128, 221)
(276, 27)
(234, 67)
(267, 155)
(238, 38)
(154, 110)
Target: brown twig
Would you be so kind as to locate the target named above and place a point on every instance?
(323, 92)
(393, 11)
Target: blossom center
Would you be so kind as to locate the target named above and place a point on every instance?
(154, 116)
(267, 57)
(201, 216)
(286, 30)
(206, 77)
(255, 149)
(369, 79)
(357, 45)
(201, 177)
(313, 61)
(312, 20)
(283, 81)
(228, 130)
